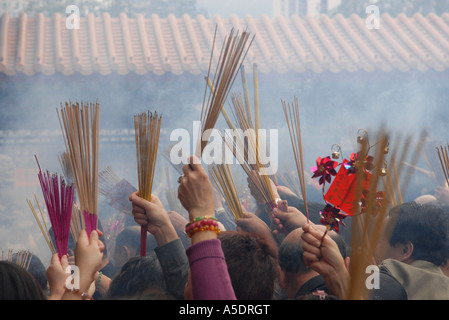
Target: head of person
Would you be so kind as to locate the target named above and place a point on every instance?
(34, 266)
(251, 265)
(18, 284)
(127, 245)
(136, 277)
(417, 232)
(293, 270)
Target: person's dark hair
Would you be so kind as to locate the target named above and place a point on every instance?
(130, 236)
(18, 284)
(290, 257)
(251, 266)
(136, 276)
(37, 270)
(426, 226)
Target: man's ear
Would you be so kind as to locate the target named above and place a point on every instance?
(406, 251)
(347, 262)
(281, 277)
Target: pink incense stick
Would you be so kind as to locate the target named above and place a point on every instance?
(59, 199)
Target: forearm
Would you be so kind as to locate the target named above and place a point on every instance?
(164, 234)
(337, 282)
(81, 293)
(208, 271)
(102, 283)
(175, 266)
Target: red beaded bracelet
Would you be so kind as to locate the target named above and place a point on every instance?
(206, 224)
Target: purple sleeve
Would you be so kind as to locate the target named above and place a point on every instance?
(208, 271)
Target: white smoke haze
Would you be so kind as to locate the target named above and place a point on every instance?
(333, 107)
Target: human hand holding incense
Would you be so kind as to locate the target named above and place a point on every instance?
(322, 255)
(154, 216)
(288, 218)
(57, 276)
(256, 193)
(88, 259)
(195, 190)
(197, 196)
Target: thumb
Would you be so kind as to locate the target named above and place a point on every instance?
(55, 259)
(64, 262)
(135, 199)
(94, 236)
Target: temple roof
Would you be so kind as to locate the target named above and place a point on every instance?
(106, 45)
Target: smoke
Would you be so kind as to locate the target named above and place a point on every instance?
(332, 108)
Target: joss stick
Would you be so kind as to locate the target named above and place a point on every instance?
(222, 176)
(223, 109)
(246, 94)
(23, 259)
(64, 161)
(76, 223)
(147, 129)
(77, 220)
(171, 194)
(243, 146)
(80, 127)
(289, 180)
(116, 189)
(42, 225)
(107, 179)
(368, 227)
(294, 127)
(250, 152)
(256, 104)
(444, 161)
(233, 52)
(59, 202)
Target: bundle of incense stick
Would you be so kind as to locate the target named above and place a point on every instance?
(116, 189)
(222, 176)
(59, 202)
(433, 163)
(233, 52)
(22, 258)
(147, 130)
(444, 161)
(244, 145)
(396, 165)
(41, 221)
(289, 179)
(80, 126)
(64, 161)
(369, 227)
(76, 222)
(291, 113)
(171, 194)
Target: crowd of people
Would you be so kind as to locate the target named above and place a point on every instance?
(277, 255)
